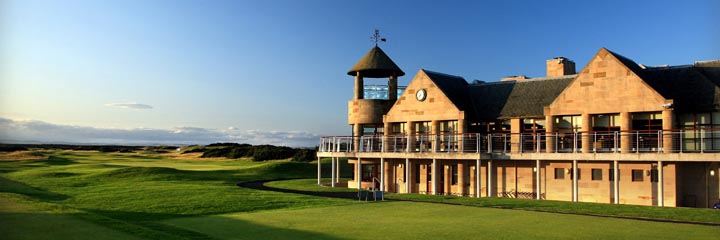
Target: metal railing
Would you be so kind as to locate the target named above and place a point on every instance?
(679, 141)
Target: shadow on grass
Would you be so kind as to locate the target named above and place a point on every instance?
(225, 227)
(10, 186)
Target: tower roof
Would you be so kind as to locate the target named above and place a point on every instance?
(376, 64)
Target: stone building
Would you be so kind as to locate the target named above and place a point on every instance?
(614, 132)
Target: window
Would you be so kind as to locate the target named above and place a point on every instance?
(596, 174)
(611, 174)
(559, 173)
(654, 175)
(454, 169)
(417, 173)
(637, 175)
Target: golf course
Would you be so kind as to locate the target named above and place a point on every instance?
(55, 194)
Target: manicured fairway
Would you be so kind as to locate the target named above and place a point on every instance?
(407, 220)
(92, 195)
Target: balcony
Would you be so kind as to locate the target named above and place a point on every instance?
(543, 146)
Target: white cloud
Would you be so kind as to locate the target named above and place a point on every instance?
(129, 105)
(24, 131)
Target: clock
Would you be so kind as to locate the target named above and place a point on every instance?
(421, 95)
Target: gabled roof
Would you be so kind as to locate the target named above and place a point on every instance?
(454, 87)
(376, 64)
(516, 99)
(688, 86)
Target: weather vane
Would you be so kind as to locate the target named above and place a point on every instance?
(376, 37)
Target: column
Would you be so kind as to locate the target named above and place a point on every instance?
(319, 172)
(357, 132)
(382, 174)
(388, 176)
(660, 190)
(668, 123)
(461, 178)
(616, 183)
(586, 129)
(537, 179)
(435, 125)
(574, 181)
(410, 136)
(392, 88)
(332, 172)
(359, 86)
(386, 138)
(477, 178)
(551, 134)
(407, 175)
(337, 169)
(625, 127)
(434, 177)
(515, 140)
(359, 173)
(489, 181)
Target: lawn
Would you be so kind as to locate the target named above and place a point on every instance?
(77, 195)
(410, 220)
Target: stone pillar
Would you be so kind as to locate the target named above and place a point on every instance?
(461, 135)
(359, 86)
(550, 134)
(575, 180)
(586, 129)
(668, 122)
(332, 172)
(477, 178)
(387, 127)
(538, 191)
(515, 129)
(489, 176)
(435, 126)
(359, 173)
(357, 133)
(616, 183)
(447, 184)
(392, 88)
(434, 177)
(461, 178)
(386, 175)
(660, 190)
(410, 136)
(408, 177)
(625, 127)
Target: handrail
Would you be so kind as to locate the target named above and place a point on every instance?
(656, 141)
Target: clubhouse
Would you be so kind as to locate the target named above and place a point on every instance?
(615, 132)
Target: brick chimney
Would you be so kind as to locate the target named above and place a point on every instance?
(560, 66)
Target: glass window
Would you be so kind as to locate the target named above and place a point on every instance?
(596, 174)
(559, 173)
(637, 175)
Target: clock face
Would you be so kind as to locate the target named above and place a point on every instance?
(421, 95)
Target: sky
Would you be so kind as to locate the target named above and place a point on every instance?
(197, 72)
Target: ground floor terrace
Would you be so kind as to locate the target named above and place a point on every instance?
(637, 179)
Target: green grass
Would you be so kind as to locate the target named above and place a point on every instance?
(77, 195)
(411, 220)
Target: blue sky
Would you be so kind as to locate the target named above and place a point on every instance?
(278, 68)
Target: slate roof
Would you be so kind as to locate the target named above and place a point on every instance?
(376, 64)
(516, 99)
(454, 87)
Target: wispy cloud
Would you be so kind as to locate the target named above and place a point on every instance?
(129, 105)
(23, 131)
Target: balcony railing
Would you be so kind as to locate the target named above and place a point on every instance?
(685, 141)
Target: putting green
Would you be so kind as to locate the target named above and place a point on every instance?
(409, 220)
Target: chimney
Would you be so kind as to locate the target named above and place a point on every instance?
(560, 66)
